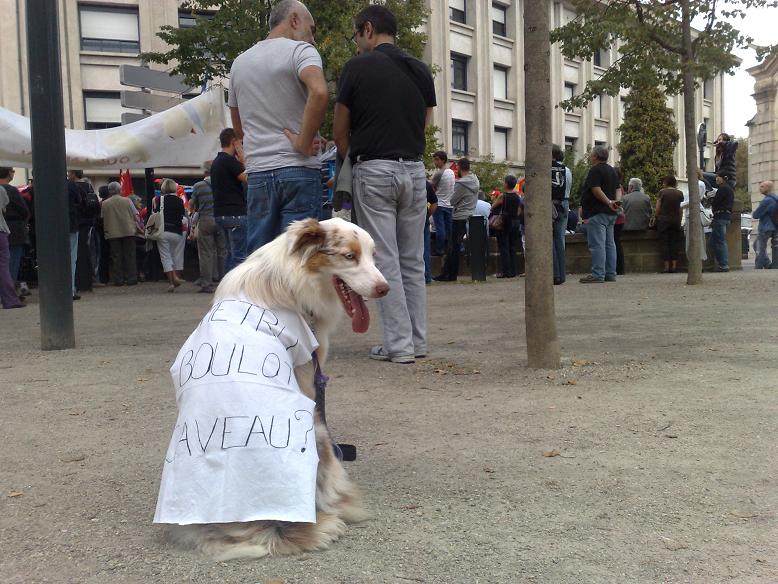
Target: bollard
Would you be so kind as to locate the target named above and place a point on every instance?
(478, 246)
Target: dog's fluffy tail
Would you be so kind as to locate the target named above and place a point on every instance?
(232, 541)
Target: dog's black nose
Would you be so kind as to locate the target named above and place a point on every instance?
(381, 290)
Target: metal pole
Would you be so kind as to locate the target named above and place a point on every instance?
(149, 189)
(47, 122)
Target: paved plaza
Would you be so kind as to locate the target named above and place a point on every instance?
(649, 457)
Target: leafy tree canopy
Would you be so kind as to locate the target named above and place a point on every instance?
(226, 28)
(648, 138)
(648, 35)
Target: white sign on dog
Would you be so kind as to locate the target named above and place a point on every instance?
(243, 448)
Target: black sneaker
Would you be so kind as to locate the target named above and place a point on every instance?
(590, 280)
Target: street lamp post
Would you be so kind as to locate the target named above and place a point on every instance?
(47, 125)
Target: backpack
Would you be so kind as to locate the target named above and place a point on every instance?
(90, 203)
(558, 181)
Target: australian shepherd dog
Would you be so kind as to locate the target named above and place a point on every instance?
(317, 270)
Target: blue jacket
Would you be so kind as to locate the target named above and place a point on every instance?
(764, 213)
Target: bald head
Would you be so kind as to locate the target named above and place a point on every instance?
(766, 187)
(291, 19)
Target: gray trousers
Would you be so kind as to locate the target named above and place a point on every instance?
(390, 200)
(211, 249)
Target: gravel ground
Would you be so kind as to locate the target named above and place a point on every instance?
(649, 457)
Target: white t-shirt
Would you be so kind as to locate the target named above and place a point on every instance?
(445, 188)
(243, 448)
(265, 86)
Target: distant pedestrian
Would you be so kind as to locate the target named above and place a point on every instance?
(88, 216)
(443, 180)
(385, 100)
(637, 207)
(74, 205)
(767, 233)
(722, 215)
(618, 226)
(599, 207)
(120, 227)
(561, 183)
(278, 98)
(463, 202)
(171, 244)
(211, 248)
(432, 205)
(668, 222)
(8, 296)
(17, 217)
(228, 180)
(508, 205)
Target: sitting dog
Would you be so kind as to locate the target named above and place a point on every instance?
(239, 479)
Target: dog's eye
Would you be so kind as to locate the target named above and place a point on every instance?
(349, 256)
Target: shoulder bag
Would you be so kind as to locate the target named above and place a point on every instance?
(155, 226)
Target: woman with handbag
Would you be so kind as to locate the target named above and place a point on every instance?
(504, 222)
(171, 241)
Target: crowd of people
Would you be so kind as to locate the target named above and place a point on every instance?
(267, 174)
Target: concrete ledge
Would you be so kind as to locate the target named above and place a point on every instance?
(641, 253)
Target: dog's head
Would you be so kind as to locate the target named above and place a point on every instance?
(342, 253)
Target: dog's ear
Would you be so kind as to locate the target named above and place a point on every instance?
(307, 236)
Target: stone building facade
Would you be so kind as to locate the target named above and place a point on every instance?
(476, 46)
(763, 127)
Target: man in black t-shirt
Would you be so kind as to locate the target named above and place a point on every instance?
(228, 180)
(722, 215)
(385, 100)
(599, 209)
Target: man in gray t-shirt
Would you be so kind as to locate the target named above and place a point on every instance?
(278, 97)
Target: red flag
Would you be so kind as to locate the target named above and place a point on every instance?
(126, 182)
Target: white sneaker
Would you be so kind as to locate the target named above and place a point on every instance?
(378, 353)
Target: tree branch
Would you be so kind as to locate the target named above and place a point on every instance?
(651, 31)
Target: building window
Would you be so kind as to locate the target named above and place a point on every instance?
(458, 72)
(599, 107)
(571, 144)
(460, 144)
(707, 89)
(599, 143)
(457, 10)
(500, 82)
(569, 90)
(499, 19)
(500, 144)
(188, 18)
(600, 58)
(103, 109)
(110, 29)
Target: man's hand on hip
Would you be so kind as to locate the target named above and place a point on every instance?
(315, 147)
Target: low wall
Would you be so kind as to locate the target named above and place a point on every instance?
(641, 253)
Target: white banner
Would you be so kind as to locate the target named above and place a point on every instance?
(186, 135)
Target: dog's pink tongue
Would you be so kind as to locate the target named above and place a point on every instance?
(360, 320)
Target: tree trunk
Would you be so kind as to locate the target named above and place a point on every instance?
(694, 273)
(542, 341)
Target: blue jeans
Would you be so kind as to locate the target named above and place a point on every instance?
(234, 228)
(444, 218)
(278, 197)
(560, 226)
(17, 251)
(718, 239)
(599, 236)
(427, 253)
(762, 261)
(73, 258)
